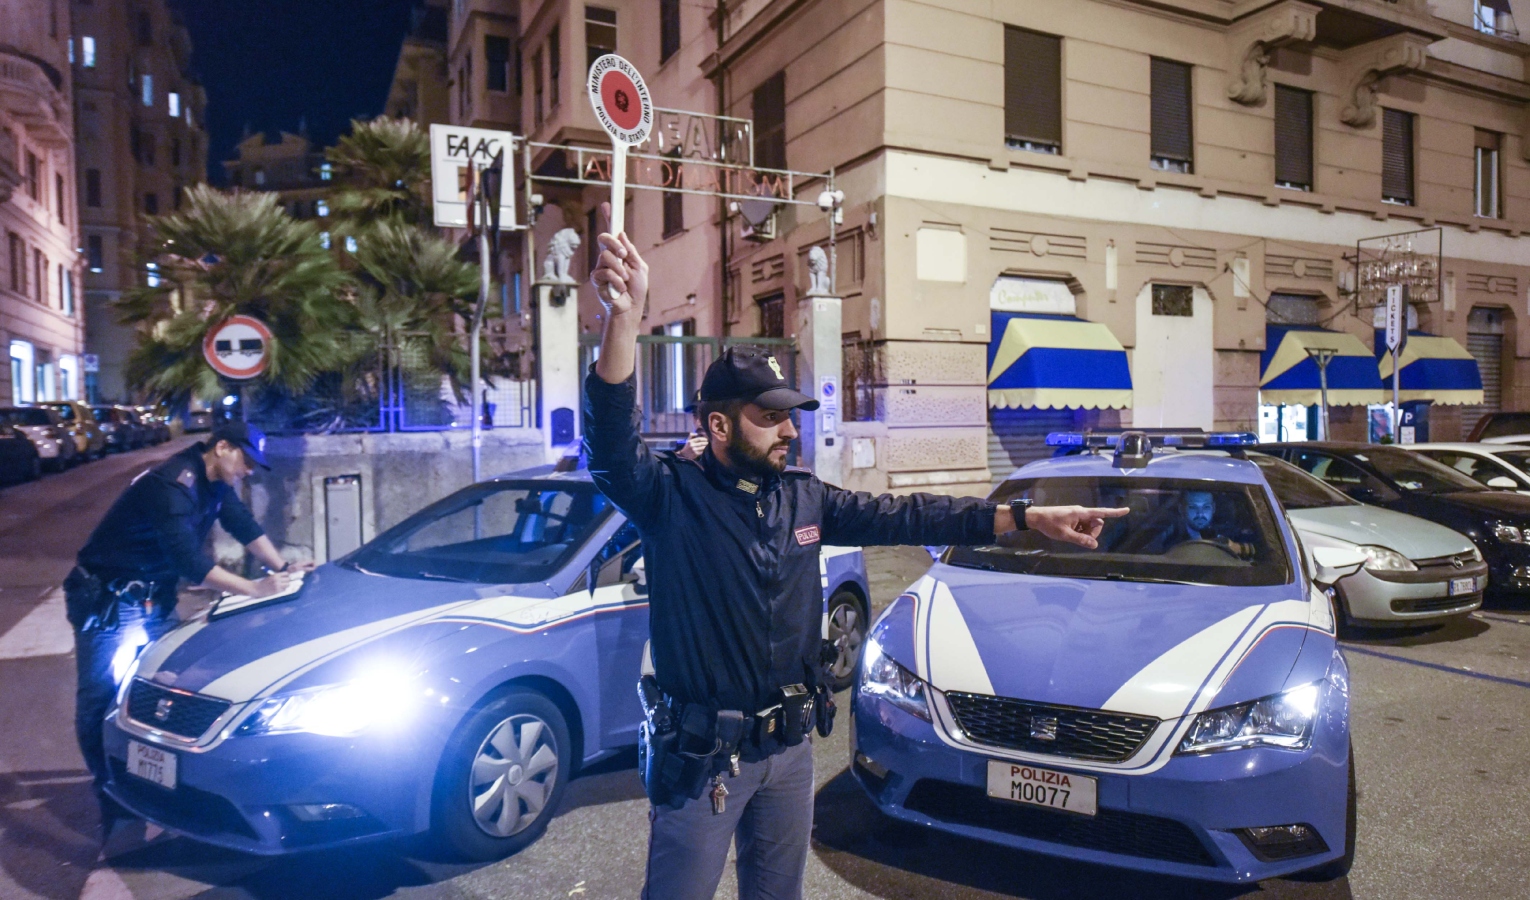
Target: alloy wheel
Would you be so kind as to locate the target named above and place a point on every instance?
(514, 773)
(846, 632)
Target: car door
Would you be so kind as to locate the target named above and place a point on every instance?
(621, 630)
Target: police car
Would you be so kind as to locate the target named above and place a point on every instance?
(1173, 701)
(451, 675)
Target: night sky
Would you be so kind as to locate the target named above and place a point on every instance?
(271, 64)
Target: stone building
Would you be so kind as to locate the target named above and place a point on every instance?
(419, 90)
(41, 318)
(142, 142)
(1168, 179)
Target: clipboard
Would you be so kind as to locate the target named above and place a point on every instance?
(229, 604)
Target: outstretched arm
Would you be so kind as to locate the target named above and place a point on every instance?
(859, 518)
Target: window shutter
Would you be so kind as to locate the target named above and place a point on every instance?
(1293, 136)
(770, 122)
(1397, 156)
(1171, 110)
(1032, 86)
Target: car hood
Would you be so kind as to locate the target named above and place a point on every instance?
(1497, 503)
(1149, 649)
(1411, 536)
(260, 649)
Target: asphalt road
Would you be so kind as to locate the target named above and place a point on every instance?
(1439, 719)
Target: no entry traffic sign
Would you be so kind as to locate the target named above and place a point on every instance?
(239, 348)
(621, 100)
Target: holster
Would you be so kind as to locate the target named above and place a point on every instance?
(86, 602)
(678, 755)
(824, 710)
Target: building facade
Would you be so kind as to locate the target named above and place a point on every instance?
(419, 89)
(41, 321)
(142, 143)
(1188, 175)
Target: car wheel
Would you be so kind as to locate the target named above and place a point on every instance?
(502, 776)
(847, 632)
(1340, 867)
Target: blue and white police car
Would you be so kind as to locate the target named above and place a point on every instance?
(1173, 701)
(450, 675)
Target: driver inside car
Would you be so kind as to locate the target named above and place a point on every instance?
(1197, 522)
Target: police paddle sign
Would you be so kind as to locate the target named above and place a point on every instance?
(239, 348)
(625, 111)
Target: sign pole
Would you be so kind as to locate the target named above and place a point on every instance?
(1397, 335)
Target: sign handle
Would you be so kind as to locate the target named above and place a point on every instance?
(618, 195)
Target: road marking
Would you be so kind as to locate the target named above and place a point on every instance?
(105, 884)
(1454, 670)
(1492, 618)
(43, 632)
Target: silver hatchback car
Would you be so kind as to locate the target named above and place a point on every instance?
(1416, 571)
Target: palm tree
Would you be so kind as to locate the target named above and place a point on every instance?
(382, 173)
(228, 254)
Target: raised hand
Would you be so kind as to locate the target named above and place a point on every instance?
(620, 276)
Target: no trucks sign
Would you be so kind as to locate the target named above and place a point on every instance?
(238, 349)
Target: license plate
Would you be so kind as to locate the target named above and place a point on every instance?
(1462, 586)
(151, 764)
(1042, 787)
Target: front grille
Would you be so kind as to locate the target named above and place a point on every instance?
(1109, 831)
(1435, 604)
(188, 715)
(1446, 562)
(184, 808)
(1079, 733)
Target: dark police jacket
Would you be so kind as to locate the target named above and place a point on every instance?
(157, 530)
(732, 561)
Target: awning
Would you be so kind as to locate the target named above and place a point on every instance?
(1056, 362)
(1433, 368)
(1288, 374)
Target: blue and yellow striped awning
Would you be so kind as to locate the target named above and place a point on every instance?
(1056, 362)
(1433, 368)
(1289, 374)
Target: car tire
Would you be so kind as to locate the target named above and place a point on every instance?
(847, 630)
(1340, 867)
(518, 738)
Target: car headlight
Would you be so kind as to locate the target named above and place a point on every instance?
(1385, 559)
(1284, 720)
(1474, 554)
(336, 710)
(882, 677)
(1508, 534)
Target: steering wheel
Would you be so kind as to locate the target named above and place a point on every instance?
(1194, 553)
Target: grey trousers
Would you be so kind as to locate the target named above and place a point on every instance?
(769, 811)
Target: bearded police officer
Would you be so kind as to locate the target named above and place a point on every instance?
(122, 593)
(731, 547)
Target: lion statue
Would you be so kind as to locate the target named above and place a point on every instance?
(559, 252)
(818, 273)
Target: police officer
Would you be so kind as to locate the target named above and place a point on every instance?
(122, 592)
(731, 547)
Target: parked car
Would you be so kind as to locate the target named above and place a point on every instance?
(1408, 482)
(1174, 701)
(157, 424)
(199, 420)
(18, 457)
(450, 675)
(1415, 572)
(81, 422)
(119, 430)
(55, 445)
(1502, 467)
(1502, 428)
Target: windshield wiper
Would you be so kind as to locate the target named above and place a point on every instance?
(1117, 576)
(432, 576)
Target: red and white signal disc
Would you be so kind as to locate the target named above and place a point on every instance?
(620, 99)
(239, 348)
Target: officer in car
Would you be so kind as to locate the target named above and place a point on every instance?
(121, 594)
(1197, 522)
(731, 548)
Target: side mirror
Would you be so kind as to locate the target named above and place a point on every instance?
(1333, 563)
(1502, 482)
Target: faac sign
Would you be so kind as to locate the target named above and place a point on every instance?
(454, 150)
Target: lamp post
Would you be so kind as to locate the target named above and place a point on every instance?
(1322, 356)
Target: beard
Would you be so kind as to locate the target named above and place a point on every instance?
(751, 459)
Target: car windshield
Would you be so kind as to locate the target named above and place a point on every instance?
(1416, 472)
(27, 417)
(498, 532)
(1179, 531)
(1519, 459)
(104, 414)
(1296, 489)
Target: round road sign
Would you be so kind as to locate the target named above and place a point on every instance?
(239, 348)
(620, 99)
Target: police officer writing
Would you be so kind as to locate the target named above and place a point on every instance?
(122, 592)
(731, 546)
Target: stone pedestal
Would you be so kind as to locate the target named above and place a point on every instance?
(820, 338)
(558, 367)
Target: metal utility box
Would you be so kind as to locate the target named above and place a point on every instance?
(342, 514)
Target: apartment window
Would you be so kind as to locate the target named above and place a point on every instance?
(177, 197)
(260, 177)
(669, 29)
(1293, 138)
(174, 101)
(145, 29)
(66, 290)
(34, 177)
(1032, 91)
(1173, 142)
(1397, 157)
(1173, 300)
(1489, 192)
(350, 244)
(87, 52)
(151, 203)
(773, 316)
(1493, 17)
(18, 263)
(554, 66)
(148, 89)
(58, 195)
(320, 208)
(175, 151)
(148, 145)
(536, 87)
(95, 253)
(151, 274)
(496, 60)
(599, 34)
(674, 201)
(326, 172)
(770, 122)
(39, 276)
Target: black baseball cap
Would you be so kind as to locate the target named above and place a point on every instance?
(244, 436)
(752, 374)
